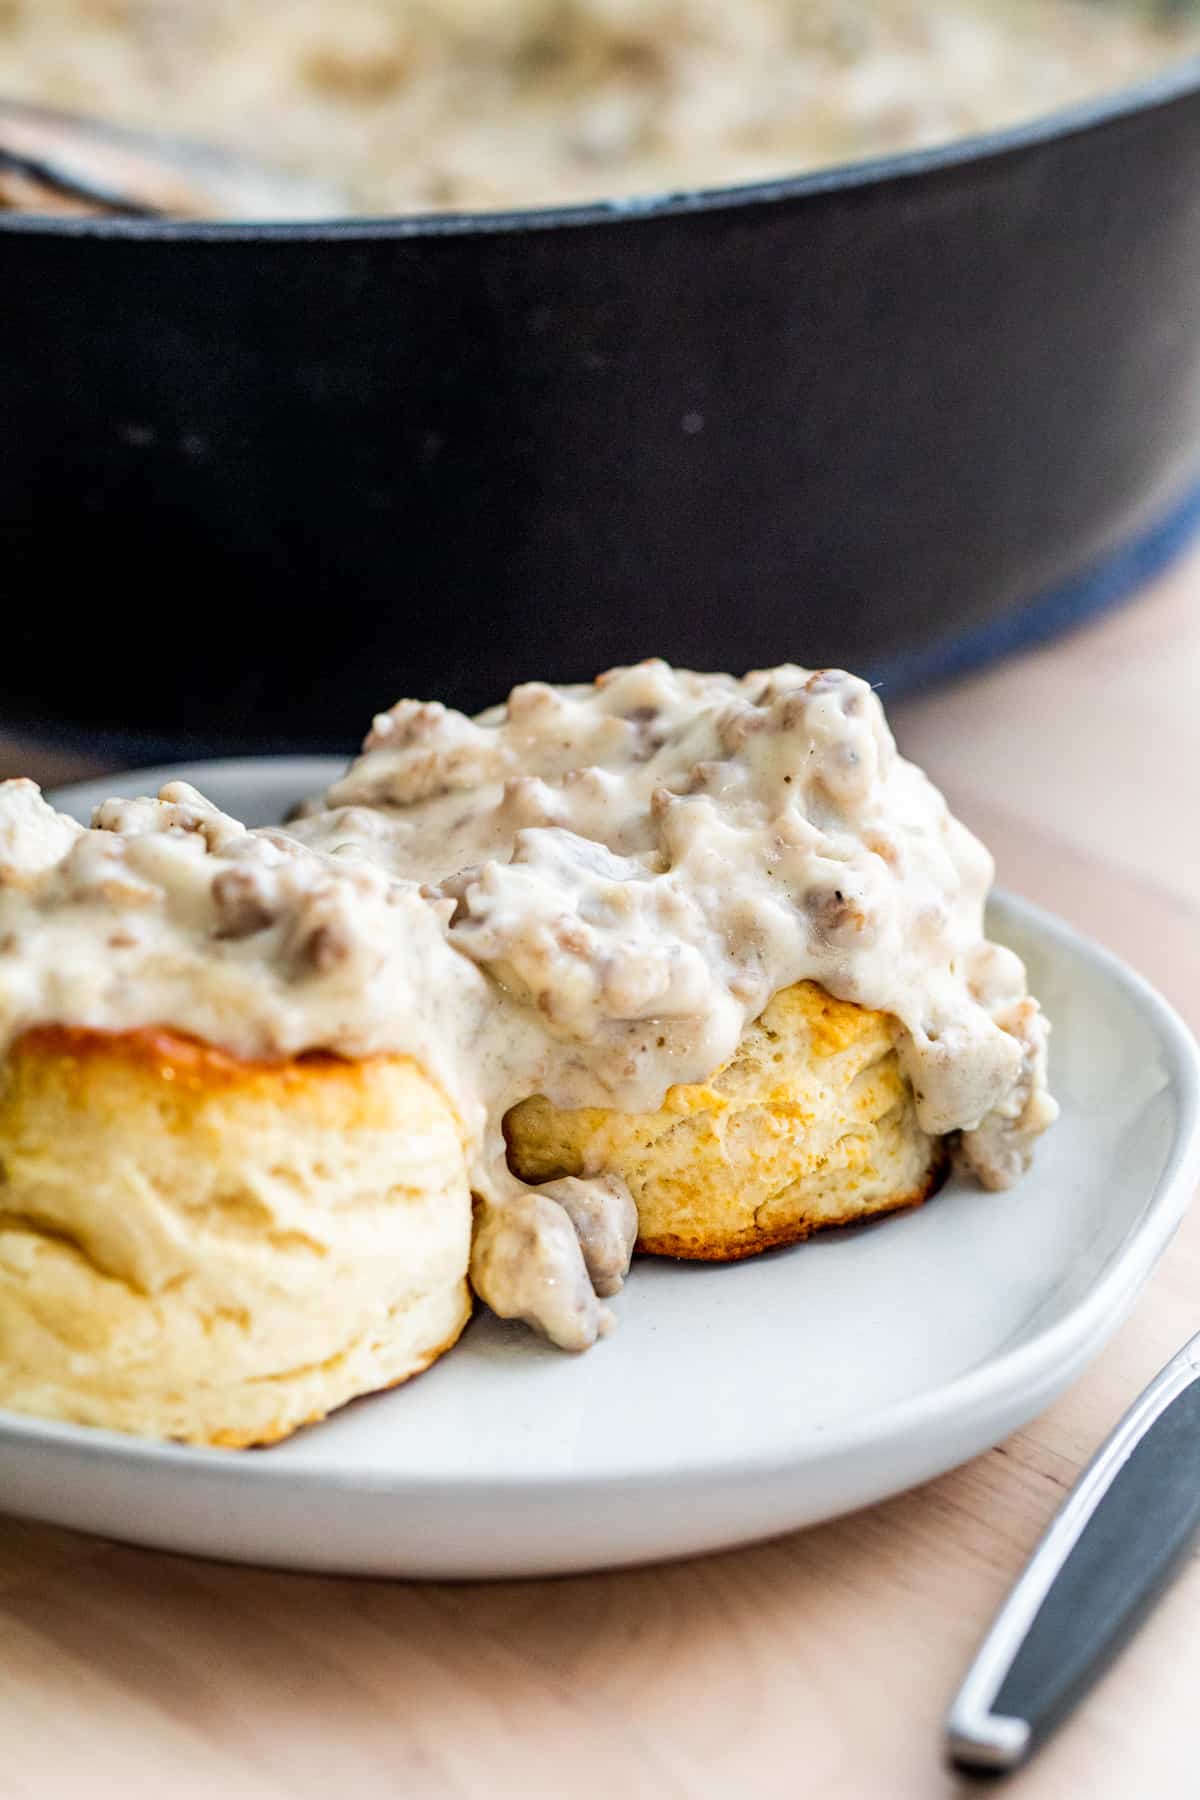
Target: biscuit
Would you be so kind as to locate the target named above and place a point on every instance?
(811, 1124)
(218, 1251)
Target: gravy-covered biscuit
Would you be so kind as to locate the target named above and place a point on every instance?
(708, 948)
(812, 1123)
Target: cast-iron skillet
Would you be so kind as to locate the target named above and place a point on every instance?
(259, 480)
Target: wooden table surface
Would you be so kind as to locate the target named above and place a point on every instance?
(816, 1666)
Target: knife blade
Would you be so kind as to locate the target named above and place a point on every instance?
(1112, 1547)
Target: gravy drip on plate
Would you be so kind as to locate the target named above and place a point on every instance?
(586, 893)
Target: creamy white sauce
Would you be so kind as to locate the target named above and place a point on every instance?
(485, 103)
(587, 893)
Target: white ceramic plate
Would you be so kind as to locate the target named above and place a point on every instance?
(731, 1403)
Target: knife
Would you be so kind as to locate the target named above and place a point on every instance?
(1115, 1542)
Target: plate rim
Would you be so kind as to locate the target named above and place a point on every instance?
(1026, 1367)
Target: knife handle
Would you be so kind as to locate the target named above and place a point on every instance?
(1109, 1552)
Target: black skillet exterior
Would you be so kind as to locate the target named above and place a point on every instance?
(255, 483)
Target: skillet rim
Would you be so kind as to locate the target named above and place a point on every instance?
(1179, 81)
